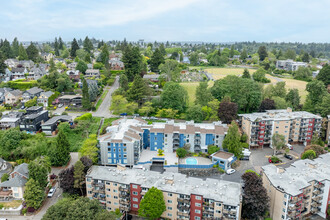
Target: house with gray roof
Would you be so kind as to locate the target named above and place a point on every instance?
(13, 96)
(51, 125)
(5, 167)
(36, 73)
(11, 63)
(3, 92)
(43, 98)
(26, 63)
(18, 73)
(31, 93)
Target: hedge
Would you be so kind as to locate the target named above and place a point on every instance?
(116, 72)
(21, 85)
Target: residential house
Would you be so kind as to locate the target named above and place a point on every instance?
(300, 190)
(185, 197)
(223, 159)
(116, 65)
(73, 75)
(297, 127)
(72, 66)
(50, 126)
(5, 167)
(13, 96)
(10, 120)
(59, 60)
(28, 64)
(151, 77)
(92, 73)
(36, 73)
(18, 73)
(35, 116)
(15, 186)
(31, 93)
(289, 65)
(43, 98)
(47, 56)
(70, 100)
(3, 92)
(127, 138)
(11, 63)
(186, 60)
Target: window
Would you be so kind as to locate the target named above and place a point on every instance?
(276, 126)
(109, 208)
(197, 211)
(197, 218)
(108, 144)
(119, 150)
(115, 184)
(169, 214)
(198, 198)
(134, 186)
(88, 179)
(219, 204)
(282, 216)
(108, 202)
(109, 149)
(197, 204)
(286, 126)
(283, 209)
(169, 201)
(135, 199)
(108, 183)
(109, 196)
(135, 193)
(169, 194)
(169, 208)
(135, 206)
(125, 149)
(108, 190)
(115, 190)
(165, 135)
(114, 149)
(155, 138)
(124, 145)
(115, 197)
(218, 211)
(284, 203)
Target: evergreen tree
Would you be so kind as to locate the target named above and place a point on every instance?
(100, 44)
(56, 47)
(132, 61)
(138, 91)
(79, 176)
(203, 94)
(105, 54)
(232, 51)
(152, 205)
(60, 153)
(60, 44)
(246, 74)
(74, 47)
(162, 49)
(6, 49)
(2, 64)
(305, 57)
(34, 194)
(22, 55)
(293, 98)
(157, 58)
(262, 51)
(232, 141)
(15, 47)
(85, 99)
(243, 55)
(32, 52)
(123, 82)
(87, 58)
(88, 45)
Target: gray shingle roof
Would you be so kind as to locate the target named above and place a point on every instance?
(22, 169)
(17, 181)
(34, 90)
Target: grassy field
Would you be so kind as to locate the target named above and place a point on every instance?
(11, 204)
(106, 123)
(219, 73)
(191, 89)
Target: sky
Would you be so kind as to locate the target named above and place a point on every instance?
(167, 20)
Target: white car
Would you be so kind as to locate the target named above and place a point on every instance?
(51, 192)
(246, 152)
(230, 171)
(60, 105)
(289, 146)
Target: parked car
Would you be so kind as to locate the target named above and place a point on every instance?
(246, 152)
(230, 171)
(288, 156)
(123, 114)
(60, 105)
(51, 192)
(136, 115)
(22, 107)
(289, 146)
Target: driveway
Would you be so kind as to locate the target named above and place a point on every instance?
(74, 159)
(103, 110)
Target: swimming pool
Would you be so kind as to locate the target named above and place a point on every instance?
(191, 160)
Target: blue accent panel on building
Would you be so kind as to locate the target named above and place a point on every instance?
(117, 153)
(182, 141)
(156, 141)
(209, 139)
(146, 141)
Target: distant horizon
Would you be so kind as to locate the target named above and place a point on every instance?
(172, 20)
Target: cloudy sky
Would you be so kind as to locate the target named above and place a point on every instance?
(162, 20)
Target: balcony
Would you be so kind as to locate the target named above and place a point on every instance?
(176, 136)
(124, 208)
(317, 192)
(316, 204)
(124, 195)
(124, 201)
(208, 204)
(184, 199)
(125, 189)
(185, 214)
(317, 198)
(197, 142)
(319, 185)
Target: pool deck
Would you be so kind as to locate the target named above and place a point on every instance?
(147, 155)
(200, 160)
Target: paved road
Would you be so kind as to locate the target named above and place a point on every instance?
(74, 159)
(103, 110)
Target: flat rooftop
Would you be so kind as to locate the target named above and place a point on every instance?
(300, 174)
(229, 193)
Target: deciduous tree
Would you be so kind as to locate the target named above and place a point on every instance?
(203, 94)
(34, 194)
(152, 205)
(174, 96)
(227, 110)
(278, 142)
(267, 104)
(232, 141)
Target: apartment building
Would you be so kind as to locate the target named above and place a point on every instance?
(185, 197)
(289, 65)
(328, 131)
(127, 138)
(299, 190)
(297, 127)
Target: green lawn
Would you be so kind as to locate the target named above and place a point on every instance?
(107, 122)
(191, 89)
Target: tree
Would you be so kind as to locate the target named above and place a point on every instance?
(132, 61)
(87, 162)
(203, 94)
(195, 113)
(174, 96)
(181, 152)
(324, 75)
(39, 169)
(74, 48)
(6, 49)
(89, 148)
(22, 55)
(171, 70)
(290, 54)
(31, 102)
(232, 141)
(278, 142)
(303, 73)
(123, 82)
(79, 176)
(156, 59)
(88, 45)
(324, 107)
(2, 64)
(194, 59)
(280, 102)
(60, 154)
(267, 104)
(81, 66)
(260, 76)
(146, 109)
(118, 104)
(15, 47)
(34, 194)
(316, 90)
(56, 47)
(85, 95)
(255, 198)
(162, 49)
(211, 149)
(227, 110)
(246, 74)
(32, 52)
(4, 177)
(243, 55)
(80, 208)
(105, 54)
(279, 89)
(309, 154)
(66, 181)
(139, 90)
(305, 57)
(152, 205)
(10, 141)
(293, 98)
(232, 51)
(245, 93)
(262, 51)
(213, 109)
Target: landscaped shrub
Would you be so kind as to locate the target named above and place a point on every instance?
(251, 171)
(87, 116)
(275, 159)
(309, 154)
(181, 152)
(211, 149)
